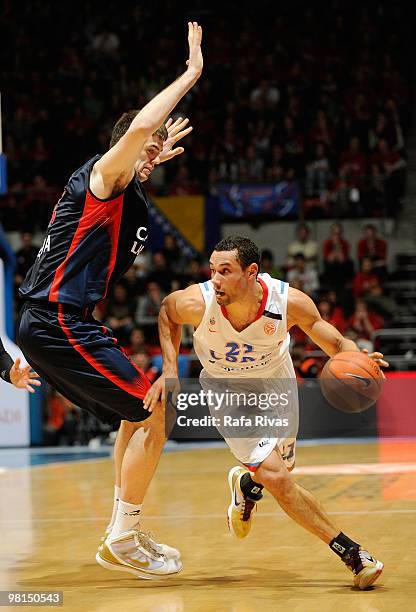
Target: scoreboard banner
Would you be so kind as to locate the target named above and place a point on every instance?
(239, 201)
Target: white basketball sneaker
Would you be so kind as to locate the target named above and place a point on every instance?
(163, 549)
(134, 552)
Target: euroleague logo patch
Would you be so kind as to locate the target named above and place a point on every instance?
(270, 328)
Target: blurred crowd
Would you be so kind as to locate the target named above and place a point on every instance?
(315, 96)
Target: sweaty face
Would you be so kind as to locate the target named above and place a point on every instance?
(149, 157)
(229, 279)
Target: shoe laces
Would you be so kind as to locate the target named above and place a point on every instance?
(248, 506)
(144, 539)
(356, 559)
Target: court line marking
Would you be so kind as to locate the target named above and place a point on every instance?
(330, 469)
(356, 468)
(157, 517)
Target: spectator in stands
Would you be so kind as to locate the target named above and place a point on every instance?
(374, 247)
(364, 321)
(120, 313)
(160, 272)
(194, 273)
(144, 362)
(173, 254)
(364, 278)
(183, 185)
(131, 283)
(264, 96)
(25, 257)
(332, 314)
(294, 146)
(393, 167)
(137, 342)
(251, 166)
(318, 174)
(377, 191)
(267, 264)
(305, 245)
(305, 279)
(353, 165)
(338, 268)
(62, 424)
(382, 304)
(148, 305)
(321, 132)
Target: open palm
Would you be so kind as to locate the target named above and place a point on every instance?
(176, 131)
(24, 378)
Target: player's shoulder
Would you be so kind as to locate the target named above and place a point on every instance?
(188, 304)
(78, 182)
(276, 285)
(299, 305)
(191, 296)
(85, 168)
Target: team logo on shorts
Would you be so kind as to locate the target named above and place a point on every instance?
(212, 321)
(270, 328)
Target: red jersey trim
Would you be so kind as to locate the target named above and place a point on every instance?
(114, 211)
(262, 305)
(94, 212)
(138, 390)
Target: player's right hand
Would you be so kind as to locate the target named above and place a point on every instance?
(24, 378)
(195, 61)
(165, 387)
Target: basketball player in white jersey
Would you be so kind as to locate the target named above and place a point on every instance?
(241, 320)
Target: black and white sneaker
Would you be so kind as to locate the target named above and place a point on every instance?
(365, 568)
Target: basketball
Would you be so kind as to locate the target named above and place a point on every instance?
(351, 381)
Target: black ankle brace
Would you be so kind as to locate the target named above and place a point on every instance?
(342, 544)
(251, 489)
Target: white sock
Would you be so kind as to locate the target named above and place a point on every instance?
(127, 517)
(117, 493)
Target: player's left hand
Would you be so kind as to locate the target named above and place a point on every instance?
(24, 378)
(176, 131)
(378, 358)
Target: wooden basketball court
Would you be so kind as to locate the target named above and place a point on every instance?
(52, 518)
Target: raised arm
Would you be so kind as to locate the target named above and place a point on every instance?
(116, 167)
(178, 308)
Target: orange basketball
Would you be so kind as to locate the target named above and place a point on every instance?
(351, 381)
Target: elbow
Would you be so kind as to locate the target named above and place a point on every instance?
(142, 126)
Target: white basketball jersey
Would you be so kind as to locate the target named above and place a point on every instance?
(257, 351)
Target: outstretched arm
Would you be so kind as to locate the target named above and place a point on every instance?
(301, 311)
(117, 165)
(178, 308)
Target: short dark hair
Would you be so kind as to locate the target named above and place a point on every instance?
(247, 251)
(123, 124)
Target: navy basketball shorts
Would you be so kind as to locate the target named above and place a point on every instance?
(80, 358)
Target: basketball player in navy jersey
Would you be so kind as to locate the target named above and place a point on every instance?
(98, 227)
(21, 378)
(242, 321)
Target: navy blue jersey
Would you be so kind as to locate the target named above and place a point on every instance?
(89, 244)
